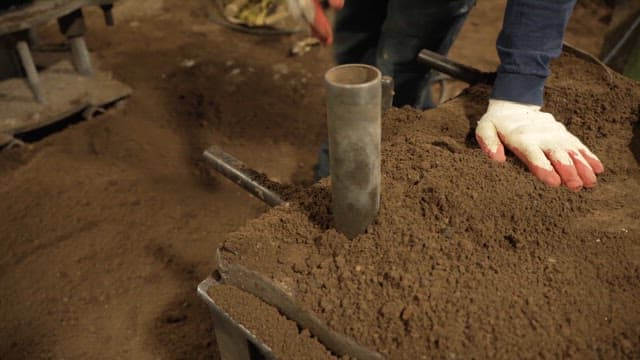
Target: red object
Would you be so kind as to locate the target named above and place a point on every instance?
(320, 26)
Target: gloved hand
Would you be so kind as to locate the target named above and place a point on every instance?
(551, 153)
(319, 23)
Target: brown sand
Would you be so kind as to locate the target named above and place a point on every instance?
(287, 342)
(470, 258)
(109, 225)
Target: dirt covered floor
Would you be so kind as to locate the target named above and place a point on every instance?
(109, 225)
(469, 258)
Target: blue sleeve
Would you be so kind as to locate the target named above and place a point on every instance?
(531, 36)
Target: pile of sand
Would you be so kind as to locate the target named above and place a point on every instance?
(472, 258)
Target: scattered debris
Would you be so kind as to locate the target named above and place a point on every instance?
(258, 17)
(304, 46)
(256, 13)
(187, 63)
(280, 68)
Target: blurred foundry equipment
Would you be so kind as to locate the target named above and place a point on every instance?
(621, 49)
(258, 17)
(60, 90)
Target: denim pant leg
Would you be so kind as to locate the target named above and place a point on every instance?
(357, 30)
(410, 26)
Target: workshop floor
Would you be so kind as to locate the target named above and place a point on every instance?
(109, 225)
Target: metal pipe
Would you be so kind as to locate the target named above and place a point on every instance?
(454, 69)
(239, 173)
(81, 58)
(30, 70)
(354, 96)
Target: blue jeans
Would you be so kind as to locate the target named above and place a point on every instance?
(389, 34)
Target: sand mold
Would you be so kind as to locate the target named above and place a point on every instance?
(472, 258)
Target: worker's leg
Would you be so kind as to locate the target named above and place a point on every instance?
(412, 25)
(357, 30)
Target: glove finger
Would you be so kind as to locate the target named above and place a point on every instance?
(538, 164)
(565, 167)
(487, 137)
(585, 171)
(592, 160)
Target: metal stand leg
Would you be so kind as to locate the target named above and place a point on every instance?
(108, 14)
(73, 27)
(30, 70)
(34, 40)
(81, 59)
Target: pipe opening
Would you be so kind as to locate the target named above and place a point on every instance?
(352, 75)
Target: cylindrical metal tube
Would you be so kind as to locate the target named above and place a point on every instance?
(354, 95)
(239, 173)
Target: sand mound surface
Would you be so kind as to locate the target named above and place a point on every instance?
(470, 258)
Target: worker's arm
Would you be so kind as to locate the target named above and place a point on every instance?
(531, 36)
(320, 26)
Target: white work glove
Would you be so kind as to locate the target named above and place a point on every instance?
(551, 153)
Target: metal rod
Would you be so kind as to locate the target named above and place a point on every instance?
(354, 97)
(30, 70)
(387, 92)
(456, 70)
(239, 173)
(81, 59)
(622, 41)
